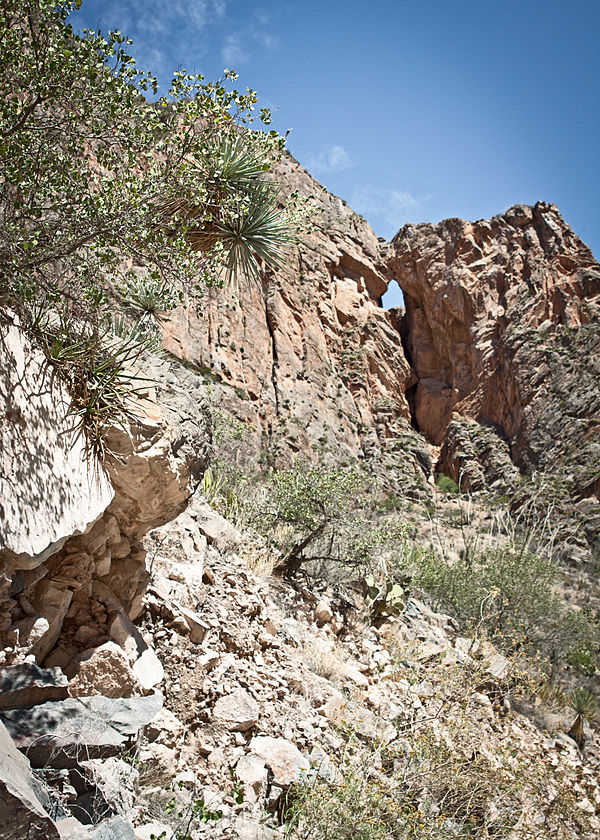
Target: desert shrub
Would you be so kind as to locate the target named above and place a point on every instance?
(446, 485)
(435, 781)
(310, 513)
(509, 594)
(325, 518)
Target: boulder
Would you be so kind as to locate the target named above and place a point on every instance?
(163, 456)
(252, 772)
(22, 814)
(165, 728)
(62, 733)
(105, 670)
(323, 612)
(107, 786)
(237, 711)
(49, 488)
(284, 760)
(115, 828)
(144, 662)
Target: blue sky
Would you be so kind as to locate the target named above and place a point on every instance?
(414, 110)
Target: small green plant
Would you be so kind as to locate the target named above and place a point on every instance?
(583, 703)
(446, 485)
(101, 372)
(220, 491)
(385, 600)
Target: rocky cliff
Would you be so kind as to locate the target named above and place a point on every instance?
(495, 359)
(490, 374)
(310, 363)
(502, 328)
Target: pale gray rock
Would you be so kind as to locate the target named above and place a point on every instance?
(164, 455)
(284, 760)
(144, 662)
(252, 772)
(49, 489)
(114, 829)
(64, 732)
(165, 728)
(28, 684)
(109, 787)
(70, 828)
(196, 626)
(217, 530)
(22, 814)
(237, 711)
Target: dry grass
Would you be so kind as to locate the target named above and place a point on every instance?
(324, 658)
(259, 558)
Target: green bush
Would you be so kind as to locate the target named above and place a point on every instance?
(106, 197)
(310, 514)
(446, 485)
(507, 593)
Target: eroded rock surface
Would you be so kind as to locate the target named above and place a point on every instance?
(502, 327)
(49, 489)
(310, 363)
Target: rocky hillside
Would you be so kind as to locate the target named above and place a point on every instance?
(155, 677)
(495, 359)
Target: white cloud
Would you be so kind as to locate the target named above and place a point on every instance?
(232, 51)
(388, 209)
(330, 159)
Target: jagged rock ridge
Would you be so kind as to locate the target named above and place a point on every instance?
(502, 327)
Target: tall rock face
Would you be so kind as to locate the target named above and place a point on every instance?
(310, 363)
(502, 329)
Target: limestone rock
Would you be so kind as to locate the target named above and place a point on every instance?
(115, 828)
(105, 670)
(70, 828)
(284, 760)
(252, 772)
(237, 711)
(61, 733)
(22, 814)
(28, 684)
(323, 612)
(165, 728)
(163, 458)
(49, 489)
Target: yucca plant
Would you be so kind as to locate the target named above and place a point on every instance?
(99, 371)
(583, 703)
(150, 295)
(235, 208)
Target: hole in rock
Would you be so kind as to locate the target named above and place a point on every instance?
(393, 297)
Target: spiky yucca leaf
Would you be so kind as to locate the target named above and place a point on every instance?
(583, 702)
(258, 234)
(231, 165)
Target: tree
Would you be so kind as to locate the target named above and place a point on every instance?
(97, 183)
(312, 514)
(102, 193)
